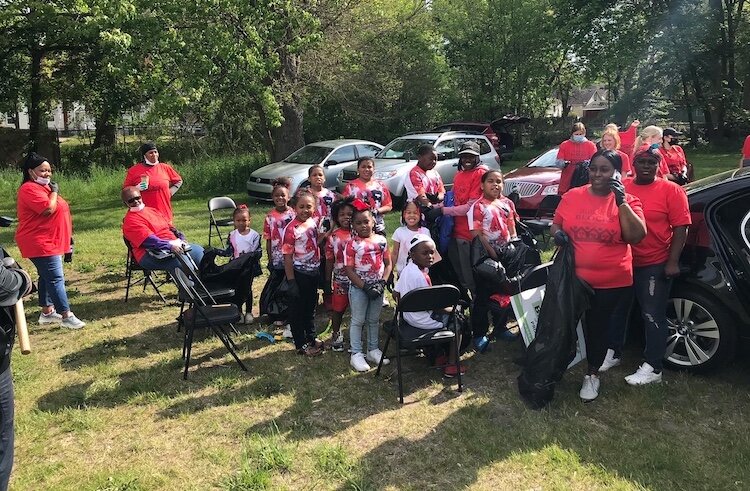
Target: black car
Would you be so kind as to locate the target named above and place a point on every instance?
(709, 309)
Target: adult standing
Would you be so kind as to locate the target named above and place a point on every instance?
(157, 181)
(572, 151)
(423, 183)
(601, 221)
(467, 188)
(627, 137)
(655, 258)
(673, 156)
(651, 137)
(43, 235)
(745, 160)
(611, 141)
(15, 283)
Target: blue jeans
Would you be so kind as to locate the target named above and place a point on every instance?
(365, 314)
(6, 427)
(169, 264)
(652, 289)
(51, 282)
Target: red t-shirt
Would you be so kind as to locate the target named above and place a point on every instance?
(592, 222)
(627, 166)
(367, 255)
(572, 152)
(420, 181)
(301, 242)
(335, 250)
(160, 177)
(627, 140)
(665, 206)
(273, 230)
(38, 235)
(467, 186)
(138, 225)
(674, 159)
(491, 217)
(373, 192)
(746, 148)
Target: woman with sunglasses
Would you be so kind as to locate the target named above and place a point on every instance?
(655, 259)
(43, 235)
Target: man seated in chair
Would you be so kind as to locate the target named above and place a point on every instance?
(416, 275)
(154, 240)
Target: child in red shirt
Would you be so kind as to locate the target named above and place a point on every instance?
(335, 274)
(367, 263)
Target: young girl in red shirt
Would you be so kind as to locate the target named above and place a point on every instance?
(336, 277)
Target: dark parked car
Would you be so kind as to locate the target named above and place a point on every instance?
(709, 309)
(497, 132)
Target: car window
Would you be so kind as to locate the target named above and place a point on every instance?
(344, 154)
(446, 149)
(367, 150)
(732, 219)
(309, 154)
(547, 159)
(484, 147)
(399, 146)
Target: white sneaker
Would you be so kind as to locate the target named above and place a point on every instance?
(51, 318)
(358, 362)
(287, 334)
(590, 388)
(72, 322)
(375, 355)
(248, 319)
(609, 361)
(644, 375)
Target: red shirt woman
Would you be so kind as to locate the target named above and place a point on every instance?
(156, 180)
(576, 149)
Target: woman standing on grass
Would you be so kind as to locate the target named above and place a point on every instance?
(601, 222)
(157, 181)
(572, 151)
(43, 235)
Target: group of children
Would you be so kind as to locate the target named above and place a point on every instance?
(319, 240)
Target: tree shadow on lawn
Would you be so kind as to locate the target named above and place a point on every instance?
(93, 309)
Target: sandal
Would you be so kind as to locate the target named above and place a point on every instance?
(310, 350)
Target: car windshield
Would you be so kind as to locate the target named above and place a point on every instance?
(547, 159)
(398, 147)
(309, 154)
(715, 179)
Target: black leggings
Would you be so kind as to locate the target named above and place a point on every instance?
(608, 306)
(301, 312)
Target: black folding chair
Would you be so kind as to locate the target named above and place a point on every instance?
(542, 221)
(131, 266)
(410, 340)
(216, 204)
(204, 312)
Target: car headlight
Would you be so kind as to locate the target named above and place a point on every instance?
(383, 175)
(550, 190)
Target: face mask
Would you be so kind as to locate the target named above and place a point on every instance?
(136, 209)
(148, 162)
(42, 180)
(578, 138)
(673, 141)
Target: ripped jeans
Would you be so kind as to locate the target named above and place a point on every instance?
(652, 289)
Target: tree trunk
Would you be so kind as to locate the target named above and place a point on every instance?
(35, 99)
(105, 131)
(290, 135)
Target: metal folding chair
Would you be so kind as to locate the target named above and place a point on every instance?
(411, 339)
(542, 221)
(131, 265)
(214, 223)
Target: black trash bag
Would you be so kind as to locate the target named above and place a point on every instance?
(580, 175)
(554, 347)
(272, 298)
(237, 274)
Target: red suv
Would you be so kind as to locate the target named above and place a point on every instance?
(537, 179)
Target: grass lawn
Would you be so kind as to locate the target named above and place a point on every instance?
(106, 407)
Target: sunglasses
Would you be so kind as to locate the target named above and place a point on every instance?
(133, 200)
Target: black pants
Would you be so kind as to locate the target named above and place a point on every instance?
(480, 308)
(6, 427)
(302, 310)
(608, 308)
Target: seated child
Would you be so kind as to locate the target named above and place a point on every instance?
(415, 275)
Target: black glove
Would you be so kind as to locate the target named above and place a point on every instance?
(389, 282)
(292, 290)
(561, 238)
(54, 187)
(327, 290)
(374, 289)
(618, 189)
(432, 197)
(433, 214)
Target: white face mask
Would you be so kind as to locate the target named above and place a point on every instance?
(42, 180)
(136, 209)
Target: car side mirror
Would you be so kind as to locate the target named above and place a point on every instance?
(330, 163)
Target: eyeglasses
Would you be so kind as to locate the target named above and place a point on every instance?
(133, 200)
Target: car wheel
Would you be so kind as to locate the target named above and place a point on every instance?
(701, 335)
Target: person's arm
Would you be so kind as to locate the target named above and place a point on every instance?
(387, 263)
(289, 267)
(52, 205)
(458, 210)
(329, 270)
(175, 187)
(395, 249)
(633, 227)
(679, 236)
(175, 180)
(354, 277)
(485, 243)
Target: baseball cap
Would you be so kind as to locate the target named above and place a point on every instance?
(470, 148)
(671, 132)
